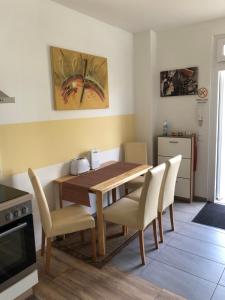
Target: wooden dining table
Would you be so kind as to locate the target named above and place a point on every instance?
(100, 190)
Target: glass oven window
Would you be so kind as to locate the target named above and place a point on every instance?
(17, 247)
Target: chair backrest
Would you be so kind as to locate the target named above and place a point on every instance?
(42, 202)
(136, 152)
(149, 200)
(166, 196)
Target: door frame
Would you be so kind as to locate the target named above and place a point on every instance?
(213, 120)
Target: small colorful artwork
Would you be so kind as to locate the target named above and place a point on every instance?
(80, 81)
(179, 82)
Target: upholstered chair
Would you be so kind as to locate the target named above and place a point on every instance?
(63, 221)
(138, 215)
(166, 196)
(135, 152)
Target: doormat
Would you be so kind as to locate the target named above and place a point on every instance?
(212, 215)
(115, 242)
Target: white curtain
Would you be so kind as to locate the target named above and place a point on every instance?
(220, 180)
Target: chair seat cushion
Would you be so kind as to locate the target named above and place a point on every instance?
(71, 219)
(124, 212)
(135, 195)
(135, 183)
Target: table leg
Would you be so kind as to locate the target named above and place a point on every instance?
(101, 225)
(114, 195)
(125, 230)
(60, 196)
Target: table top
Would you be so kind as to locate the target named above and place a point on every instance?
(113, 182)
(116, 181)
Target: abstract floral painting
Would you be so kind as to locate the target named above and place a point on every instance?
(80, 81)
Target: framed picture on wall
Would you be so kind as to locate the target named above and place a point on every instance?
(80, 80)
(179, 82)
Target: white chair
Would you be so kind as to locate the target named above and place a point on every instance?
(135, 152)
(66, 220)
(138, 215)
(166, 197)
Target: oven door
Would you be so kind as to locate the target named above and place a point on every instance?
(17, 249)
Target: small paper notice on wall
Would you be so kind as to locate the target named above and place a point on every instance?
(6, 99)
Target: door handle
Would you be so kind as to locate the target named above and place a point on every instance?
(173, 142)
(5, 233)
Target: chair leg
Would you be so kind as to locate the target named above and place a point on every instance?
(155, 234)
(93, 240)
(160, 226)
(171, 216)
(125, 230)
(142, 246)
(126, 191)
(48, 255)
(43, 243)
(82, 236)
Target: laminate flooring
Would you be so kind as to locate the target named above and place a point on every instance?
(190, 263)
(70, 278)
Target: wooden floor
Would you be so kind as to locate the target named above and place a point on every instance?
(73, 279)
(190, 263)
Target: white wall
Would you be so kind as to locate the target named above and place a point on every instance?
(185, 47)
(178, 48)
(27, 29)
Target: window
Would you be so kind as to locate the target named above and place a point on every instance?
(220, 57)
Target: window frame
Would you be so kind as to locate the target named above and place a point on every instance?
(220, 53)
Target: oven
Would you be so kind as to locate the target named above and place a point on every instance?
(17, 244)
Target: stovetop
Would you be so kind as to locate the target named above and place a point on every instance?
(8, 193)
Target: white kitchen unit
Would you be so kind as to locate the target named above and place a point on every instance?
(20, 287)
(170, 146)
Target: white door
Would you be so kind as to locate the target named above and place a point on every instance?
(220, 169)
(216, 176)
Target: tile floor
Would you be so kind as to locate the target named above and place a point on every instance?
(190, 262)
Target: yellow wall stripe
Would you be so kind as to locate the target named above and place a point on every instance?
(40, 144)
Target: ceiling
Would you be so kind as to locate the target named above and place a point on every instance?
(139, 15)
